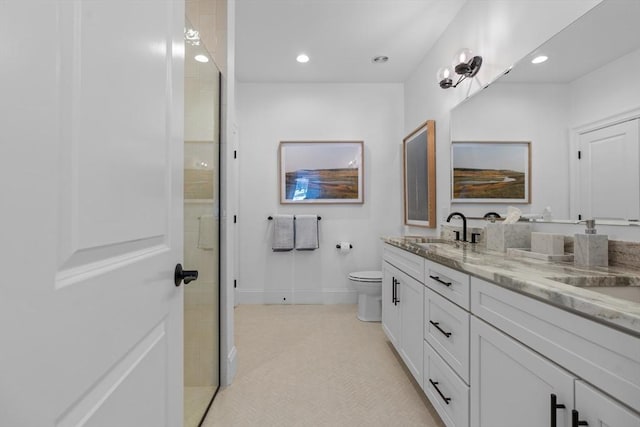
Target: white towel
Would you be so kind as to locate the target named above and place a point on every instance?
(306, 232)
(206, 232)
(283, 233)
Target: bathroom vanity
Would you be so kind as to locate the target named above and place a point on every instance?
(501, 341)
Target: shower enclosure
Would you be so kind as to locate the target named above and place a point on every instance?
(201, 228)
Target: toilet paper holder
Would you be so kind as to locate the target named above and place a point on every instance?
(339, 246)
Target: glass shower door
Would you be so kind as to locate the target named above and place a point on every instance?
(201, 233)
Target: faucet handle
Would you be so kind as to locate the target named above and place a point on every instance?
(591, 225)
(473, 237)
(457, 235)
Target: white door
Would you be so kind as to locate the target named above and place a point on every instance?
(609, 173)
(511, 385)
(91, 116)
(598, 409)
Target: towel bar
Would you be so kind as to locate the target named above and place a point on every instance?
(338, 246)
(270, 218)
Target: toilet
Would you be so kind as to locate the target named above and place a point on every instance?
(368, 284)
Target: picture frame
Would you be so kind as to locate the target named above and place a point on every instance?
(322, 172)
(419, 176)
(491, 172)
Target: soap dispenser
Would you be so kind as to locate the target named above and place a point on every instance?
(591, 249)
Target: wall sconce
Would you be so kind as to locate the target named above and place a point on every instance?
(465, 64)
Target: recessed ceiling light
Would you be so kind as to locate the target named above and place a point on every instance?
(381, 59)
(201, 58)
(302, 58)
(539, 59)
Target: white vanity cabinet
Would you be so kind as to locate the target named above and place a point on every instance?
(598, 409)
(402, 306)
(512, 385)
(446, 343)
(487, 356)
(390, 309)
(516, 369)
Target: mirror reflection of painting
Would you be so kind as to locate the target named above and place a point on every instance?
(491, 172)
(417, 172)
(321, 172)
(420, 176)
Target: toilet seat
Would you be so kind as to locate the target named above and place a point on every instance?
(366, 276)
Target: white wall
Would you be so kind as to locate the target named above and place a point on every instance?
(270, 113)
(502, 32)
(605, 92)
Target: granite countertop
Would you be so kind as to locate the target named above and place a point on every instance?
(531, 277)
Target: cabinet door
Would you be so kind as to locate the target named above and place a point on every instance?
(390, 309)
(598, 409)
(411, 297)
(511, 385)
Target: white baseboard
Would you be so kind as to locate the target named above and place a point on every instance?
(325, 296)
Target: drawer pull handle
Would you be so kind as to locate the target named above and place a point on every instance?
(554, 407)
(575, 419)
(435, 385)
(436, 324)
(438, 279)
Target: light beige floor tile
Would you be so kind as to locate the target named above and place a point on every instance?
(317, 365)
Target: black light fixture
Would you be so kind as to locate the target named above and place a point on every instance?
(465, 64)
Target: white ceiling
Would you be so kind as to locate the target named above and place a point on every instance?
(340, 36)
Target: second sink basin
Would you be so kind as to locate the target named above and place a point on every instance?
(623, 287)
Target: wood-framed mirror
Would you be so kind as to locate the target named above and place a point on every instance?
(419, 176)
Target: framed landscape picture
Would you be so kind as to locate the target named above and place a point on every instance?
(491, 172)
(419, 177)
(321, 172)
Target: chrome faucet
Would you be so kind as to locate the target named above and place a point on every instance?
(464, 225)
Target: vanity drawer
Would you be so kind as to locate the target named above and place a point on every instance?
(447, 330)
(448, 394)
(449, 283)
(603, 356)
(411, 264)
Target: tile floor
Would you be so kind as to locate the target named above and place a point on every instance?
(317, 365)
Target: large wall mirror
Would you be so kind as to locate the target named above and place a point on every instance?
(581, 111)
(419, 167)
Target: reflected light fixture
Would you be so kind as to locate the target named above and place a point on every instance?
(539, 59)
(302, 58)
(201, 58)
(192, 36)
(465, 64)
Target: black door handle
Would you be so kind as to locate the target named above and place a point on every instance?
(393, 290)
(575, 419)
(554, 408)
(187, 275)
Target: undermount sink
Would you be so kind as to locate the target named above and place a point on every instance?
(623, 287)
(426, 240)
(435, 240)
